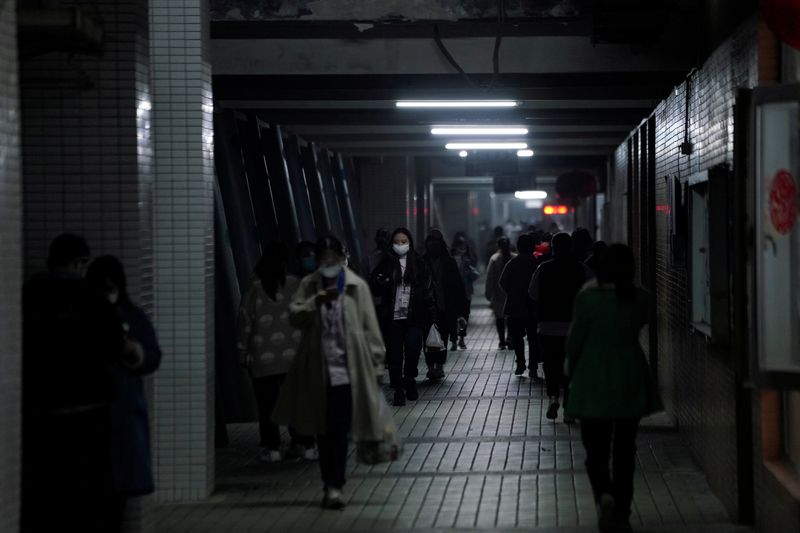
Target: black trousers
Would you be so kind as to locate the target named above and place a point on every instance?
(333, 443)
(267, 389)
(600, 437)
(403, 345)
(500, 323)
(518, 330)
(554, 353)
(66, 472)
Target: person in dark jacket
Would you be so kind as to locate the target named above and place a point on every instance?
(383, 246)
(612, 386)
(467, 261)
(71, 339)
(519, 308)
(553, 288)
(451, 298)
(596, 258)
(130, 432)
(403, 286)
(581, 244)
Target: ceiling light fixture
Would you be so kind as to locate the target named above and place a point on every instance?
(525, 153)
(487, 146)
(530, 195)
(463, 153)
(479, 130)
(455, 103)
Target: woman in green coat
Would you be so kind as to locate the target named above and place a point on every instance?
(331, 388)
(611, 386)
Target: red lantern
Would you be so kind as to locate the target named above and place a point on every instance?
(574, 185)
(783, 17)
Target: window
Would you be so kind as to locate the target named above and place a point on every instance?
(699, 253)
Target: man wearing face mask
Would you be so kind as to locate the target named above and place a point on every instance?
(71, 338)
(451, 298)
(403, 288)
(306, 258)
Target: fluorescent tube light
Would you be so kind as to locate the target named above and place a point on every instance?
(530, 195)
(463, 153)
(525, 153)
(534, 204)
(486, 146)
(455, 103)
(479, 130)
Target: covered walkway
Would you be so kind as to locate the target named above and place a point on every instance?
(479, 455)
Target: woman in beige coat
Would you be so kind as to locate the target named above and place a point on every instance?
(332, 385)
(494, 292)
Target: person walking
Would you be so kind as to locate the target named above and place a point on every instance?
(131, 461)
(305, 259)
(466, 259)
(611, 387)
(596, 257)
(553, 288)
(403, 286)
(451, 298)
(494, 292)
(519, 307)
(72, 336)
(332, 388)
(267, 345)
(492, 246)
(383, 246)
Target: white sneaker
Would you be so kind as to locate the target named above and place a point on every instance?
(269, 456)
(333, 499)
(311, 454)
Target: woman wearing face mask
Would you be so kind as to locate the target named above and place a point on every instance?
(332, 387)
(267, 344)
(130, 446)
(306, 258)
(403, 287)
(451, 298)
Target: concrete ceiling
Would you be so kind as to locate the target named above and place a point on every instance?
(584, 76)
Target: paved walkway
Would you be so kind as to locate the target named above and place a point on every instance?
(479, 455)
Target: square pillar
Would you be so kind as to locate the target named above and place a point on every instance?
(10, 273)
(183, 249)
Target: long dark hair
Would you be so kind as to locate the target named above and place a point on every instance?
(108, 269)
(271, 268)
(618, 266)
(329, 244)
(411, 267)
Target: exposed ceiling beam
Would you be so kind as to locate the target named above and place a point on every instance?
(553, 86)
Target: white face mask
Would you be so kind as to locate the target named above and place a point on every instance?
(401, 249)
(331, 272)
(113, 297)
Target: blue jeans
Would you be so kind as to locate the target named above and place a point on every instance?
(403, 345)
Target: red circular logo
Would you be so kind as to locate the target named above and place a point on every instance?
(783, 202)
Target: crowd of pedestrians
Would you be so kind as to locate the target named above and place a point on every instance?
(316, 339)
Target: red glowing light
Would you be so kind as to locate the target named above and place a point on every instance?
(549, 210)
(475, 211)
(556, 210)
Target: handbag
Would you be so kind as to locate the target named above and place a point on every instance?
(386, 450)
(434, 342)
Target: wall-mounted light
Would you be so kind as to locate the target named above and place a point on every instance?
(455, 103)
(524, 153)
(487, 146)
(530, 195)
(479, 130)
(463, 153)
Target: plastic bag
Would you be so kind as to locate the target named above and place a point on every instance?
(387, 450)
(434, 342)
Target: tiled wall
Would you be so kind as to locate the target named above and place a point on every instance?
(10, 272)
(86, 147)
(183, 248)
(698, 383)
(387, 185)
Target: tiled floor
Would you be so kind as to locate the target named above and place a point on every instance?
(479, 455)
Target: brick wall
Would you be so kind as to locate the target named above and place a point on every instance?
(698, 383)
(184, 248)
(10, 272)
